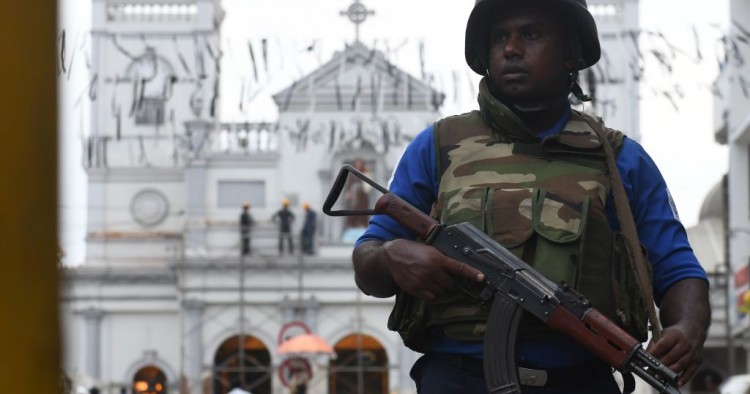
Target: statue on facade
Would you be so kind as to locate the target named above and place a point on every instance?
(356, 196)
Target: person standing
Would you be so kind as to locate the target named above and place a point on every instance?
(284, 218)
(246, 226)
(308, 229)
(536, 176)
(298, 384)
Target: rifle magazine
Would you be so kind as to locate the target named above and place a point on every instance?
(500, 370)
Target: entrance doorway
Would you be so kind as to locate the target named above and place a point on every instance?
(149, 380)
(361, 366)
(242, 361)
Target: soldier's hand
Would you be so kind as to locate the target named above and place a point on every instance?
(422, 271)
(681, 349)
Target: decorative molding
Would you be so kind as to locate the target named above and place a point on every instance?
(237, 160)
(135, 175)
(107, 275)
(92, 313)
(132, 236)
(193, 304)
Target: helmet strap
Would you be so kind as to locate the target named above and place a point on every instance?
(575, 88)
(574, 46)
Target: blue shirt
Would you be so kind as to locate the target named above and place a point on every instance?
(659, 228)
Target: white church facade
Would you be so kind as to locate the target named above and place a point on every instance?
(165, 302)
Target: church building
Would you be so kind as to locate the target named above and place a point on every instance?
(166, 301)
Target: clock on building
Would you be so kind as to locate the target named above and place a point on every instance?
(149, 207)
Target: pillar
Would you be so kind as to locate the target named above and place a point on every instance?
(193, 337)
(92, 342)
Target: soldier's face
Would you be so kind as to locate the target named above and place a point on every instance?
(528, 54)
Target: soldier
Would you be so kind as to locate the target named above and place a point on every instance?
(532, 173)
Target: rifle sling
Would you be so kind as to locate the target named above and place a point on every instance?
(629, 230)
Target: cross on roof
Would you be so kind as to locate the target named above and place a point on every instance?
(357, 13)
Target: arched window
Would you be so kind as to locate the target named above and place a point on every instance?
(361, 366)
(149, 380)
(244, 362)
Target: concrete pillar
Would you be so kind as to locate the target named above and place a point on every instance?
(287, 310)
(193, 338)
(92, 353)
(311, 313)
(195, 184)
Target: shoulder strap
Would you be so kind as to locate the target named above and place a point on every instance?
(436, 145)
(629, 231)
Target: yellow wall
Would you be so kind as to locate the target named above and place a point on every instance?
(29, 331)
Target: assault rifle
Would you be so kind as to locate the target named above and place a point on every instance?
(514, 286)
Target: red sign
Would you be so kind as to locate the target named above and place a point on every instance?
(291, 329)
(294, 366)
(741, 277)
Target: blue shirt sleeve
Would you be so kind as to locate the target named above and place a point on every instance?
(414, 179)
(659, 227)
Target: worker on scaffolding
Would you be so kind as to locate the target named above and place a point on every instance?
(284, 217)
(308, 230)
(246, 225)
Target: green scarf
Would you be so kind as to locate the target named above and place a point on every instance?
(500, 118)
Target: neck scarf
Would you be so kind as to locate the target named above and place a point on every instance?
(500, 118)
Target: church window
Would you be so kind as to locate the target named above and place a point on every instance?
(232, 194)
(151, 112)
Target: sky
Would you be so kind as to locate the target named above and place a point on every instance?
(302, 34)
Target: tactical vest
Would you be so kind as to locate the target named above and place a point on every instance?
(545, 202)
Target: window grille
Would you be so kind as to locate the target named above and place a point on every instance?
(150, 112)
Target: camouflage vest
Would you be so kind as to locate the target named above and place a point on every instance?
(544, 201)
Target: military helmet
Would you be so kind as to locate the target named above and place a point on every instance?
(479, 23)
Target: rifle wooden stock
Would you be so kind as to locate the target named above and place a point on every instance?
(596, 333)
(413, 219)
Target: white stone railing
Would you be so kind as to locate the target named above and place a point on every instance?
(140, 11)
(604, 10)
(245, 138)
(173, 150)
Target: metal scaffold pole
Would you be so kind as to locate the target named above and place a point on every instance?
(241, 340)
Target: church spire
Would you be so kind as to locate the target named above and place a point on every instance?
(357, 13)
